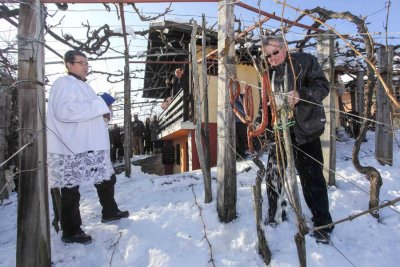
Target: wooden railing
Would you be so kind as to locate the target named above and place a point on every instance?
(173, 113)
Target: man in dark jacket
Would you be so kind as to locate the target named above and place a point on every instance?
(154, 129)
(137, 135)
(117, 146)
(176, 84)
(241, 131)
(308, 86)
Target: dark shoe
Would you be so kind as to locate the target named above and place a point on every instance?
(284, 216)
(119, 215)
(321, 236)
(79, 237)
(271, 221)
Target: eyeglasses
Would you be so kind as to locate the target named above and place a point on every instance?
(274, 53)
(82, 63)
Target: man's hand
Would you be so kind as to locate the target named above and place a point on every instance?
(107, 116)
(293, 98)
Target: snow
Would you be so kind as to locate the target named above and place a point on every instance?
(165, 229)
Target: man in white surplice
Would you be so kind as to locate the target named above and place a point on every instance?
(78, 147)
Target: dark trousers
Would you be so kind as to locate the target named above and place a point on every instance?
(70, 214)
(309, 164)
(187, 114)
(311, 178)
(241, 139)
(117, 152)
(148, 146)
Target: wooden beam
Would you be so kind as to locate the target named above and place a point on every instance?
(243, 33)
(158, 62)
(272, 16)
(267, 17)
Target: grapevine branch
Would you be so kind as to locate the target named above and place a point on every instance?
(204, 226)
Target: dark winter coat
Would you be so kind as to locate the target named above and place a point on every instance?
(313, 87)
(154, 130)
(176, 85)
(116, 138)
(138, 128)
(147, 134)
(239, 107)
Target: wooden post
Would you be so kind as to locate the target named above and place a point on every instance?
(205, 101)
(33, 234)
(206, 131)
(7, 112)
(384, 129)
(127, 101)
(328, 138)
(197, 96)
(360, 101)
(226, 165)
(263, 248)
(290, 179)
(4, 110)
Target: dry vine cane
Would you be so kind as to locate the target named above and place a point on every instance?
(263, 248)
(247, 118)
(204, 226)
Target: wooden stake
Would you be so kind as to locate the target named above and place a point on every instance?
(206, 131)
(263, 248)
(328, 138)
(290, 180)
(127, 101)
(198, 139)
(384, 113)
(360, 96)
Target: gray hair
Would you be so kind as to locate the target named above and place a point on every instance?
(273, 38)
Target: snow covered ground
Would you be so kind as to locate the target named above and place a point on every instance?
(165, 229)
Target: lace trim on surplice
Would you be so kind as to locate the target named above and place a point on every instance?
(73, 170)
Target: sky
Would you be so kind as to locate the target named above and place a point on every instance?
(96, 16)
(165, 228)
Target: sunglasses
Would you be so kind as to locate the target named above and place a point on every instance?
(274, 53)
